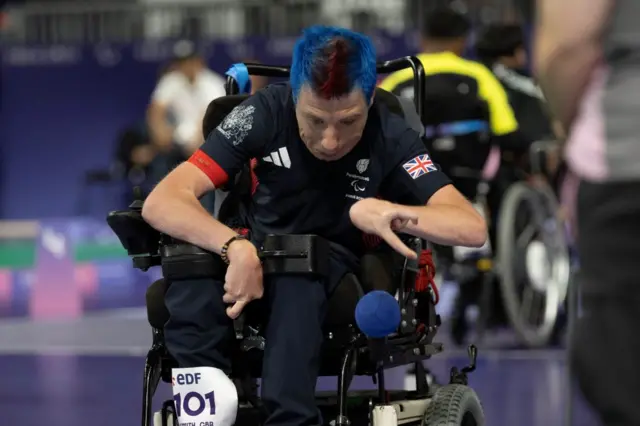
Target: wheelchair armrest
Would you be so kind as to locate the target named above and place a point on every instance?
(134, 233)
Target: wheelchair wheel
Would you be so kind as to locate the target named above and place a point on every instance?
(533, 261)
(164, 418)
(454, 405)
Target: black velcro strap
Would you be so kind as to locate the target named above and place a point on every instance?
(185, 261)
(295, 254)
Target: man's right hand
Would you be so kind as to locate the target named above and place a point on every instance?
(243, 282)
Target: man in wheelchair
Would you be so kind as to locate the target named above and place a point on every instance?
(332, 161)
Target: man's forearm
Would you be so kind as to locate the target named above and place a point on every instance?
(564, 75)
(181, 216)
(449, 225)
(567, 48)
(159, 128)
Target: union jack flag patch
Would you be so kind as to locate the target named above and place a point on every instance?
(419, 166)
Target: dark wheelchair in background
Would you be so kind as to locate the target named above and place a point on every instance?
(529, 267)
(533, 251)
(346, 351)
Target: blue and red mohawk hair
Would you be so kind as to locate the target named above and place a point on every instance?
(333, 61)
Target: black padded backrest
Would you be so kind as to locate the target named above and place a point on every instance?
(218, 109)
(390, 100)
(402, 107)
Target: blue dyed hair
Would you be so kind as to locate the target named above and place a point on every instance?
(333, 61)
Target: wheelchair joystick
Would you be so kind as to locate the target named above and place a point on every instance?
(460, 376)
(138, 199)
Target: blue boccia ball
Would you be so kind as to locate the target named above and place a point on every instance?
(378, 314)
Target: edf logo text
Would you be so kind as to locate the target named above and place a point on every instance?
(186, 379)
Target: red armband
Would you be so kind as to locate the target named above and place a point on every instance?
(205, 163)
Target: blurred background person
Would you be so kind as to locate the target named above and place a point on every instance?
(177, 106)
(464, 96)
(136, 152)
(502, 48)
(587, 63)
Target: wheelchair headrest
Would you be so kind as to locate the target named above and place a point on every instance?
(218, 109)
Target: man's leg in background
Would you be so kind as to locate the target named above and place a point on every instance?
(606, 341)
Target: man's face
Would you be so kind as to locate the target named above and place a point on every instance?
(521, 58)
(331, 128)
(191, 67)
(517, 61)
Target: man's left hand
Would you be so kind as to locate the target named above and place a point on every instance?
(384, 219)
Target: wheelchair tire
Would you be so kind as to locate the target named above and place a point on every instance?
(169, 420)
(454, 405)
(545, 207)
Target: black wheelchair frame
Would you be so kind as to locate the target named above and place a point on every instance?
(351, 353)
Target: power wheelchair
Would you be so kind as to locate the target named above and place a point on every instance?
(346, 351)
(527, 271)
(527, 256)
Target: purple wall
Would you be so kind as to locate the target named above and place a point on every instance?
(62, 108)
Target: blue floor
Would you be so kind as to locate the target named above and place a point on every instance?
(523, 389)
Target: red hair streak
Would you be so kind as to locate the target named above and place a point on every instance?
(332, 79)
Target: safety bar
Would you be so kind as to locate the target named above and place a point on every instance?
(386, 67)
